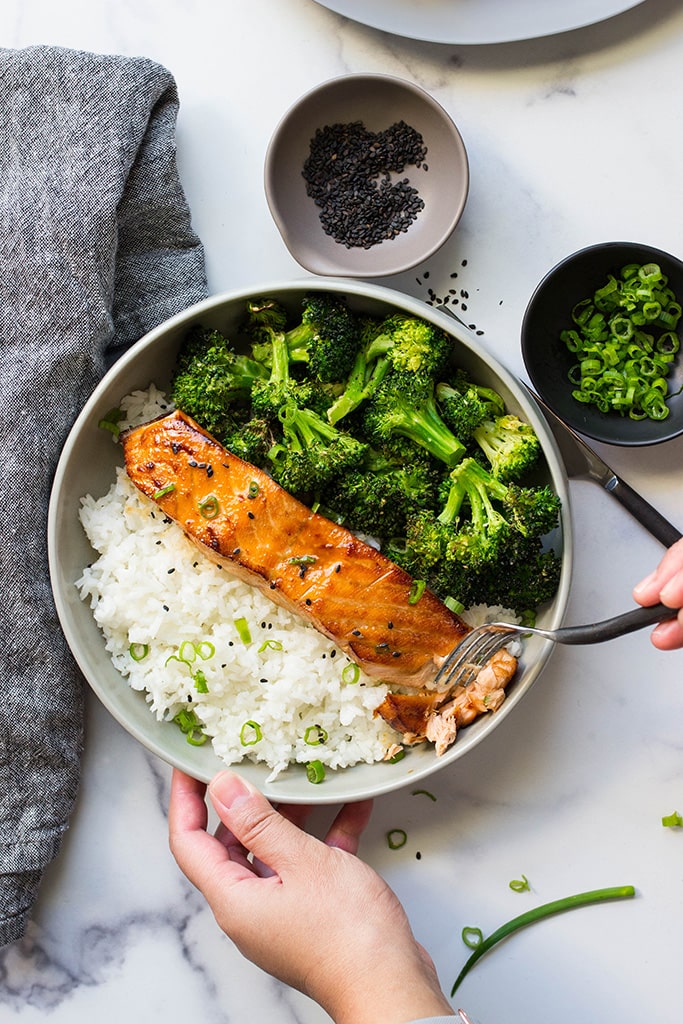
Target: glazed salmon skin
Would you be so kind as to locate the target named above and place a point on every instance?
(251, 526)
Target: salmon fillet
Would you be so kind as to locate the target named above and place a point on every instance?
(250, 525)
(437, 716)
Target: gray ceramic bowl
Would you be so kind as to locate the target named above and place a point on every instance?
(88, 464)
(548, 361)
(378, 101)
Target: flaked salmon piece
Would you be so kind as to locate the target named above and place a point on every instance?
(254, 528)
(438, 716)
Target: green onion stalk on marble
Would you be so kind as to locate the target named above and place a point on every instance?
(474, 938)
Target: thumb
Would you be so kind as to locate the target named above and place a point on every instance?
(261, 830)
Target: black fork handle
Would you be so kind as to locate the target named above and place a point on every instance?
(618, 625)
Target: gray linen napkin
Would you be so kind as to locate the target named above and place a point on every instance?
(96, 248)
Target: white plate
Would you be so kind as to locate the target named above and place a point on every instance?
(478, 21)
(88, 465)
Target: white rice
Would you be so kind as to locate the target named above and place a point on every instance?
(150, 586)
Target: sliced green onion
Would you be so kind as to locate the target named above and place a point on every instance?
(250, 733)
(200, 683)
(620, 364)
(416, 591)
(398, 756)
(210, 506)
(537, 914)
(243, 631)
(253, 489)
(138, 651)
(110, 421)
(396, 838)
(187, 652)
(315, 772)
(163, 491)
(303, 560)
(472, 937)
(424, 792)
(315, 735)
(672, 820)
(454, 606)
(350, 673)
(520, 884)
(188, 723)
(274, 645)
(204, 649)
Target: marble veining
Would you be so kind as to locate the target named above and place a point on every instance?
(571, 140)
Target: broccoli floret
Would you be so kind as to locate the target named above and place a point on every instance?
(379, 497)
(212, 381)
(464, 404)
(250, 441)
(405, 404)
(510, 445)
(279, 389)
(312, 452)
(327, 338)
(400, 343)
(482, 543)
(526, 577)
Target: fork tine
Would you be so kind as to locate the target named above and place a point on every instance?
(464, 661)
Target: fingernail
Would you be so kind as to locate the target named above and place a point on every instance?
(229, 790)
(639, 587)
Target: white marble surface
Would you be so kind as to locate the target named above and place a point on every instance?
(572, 140)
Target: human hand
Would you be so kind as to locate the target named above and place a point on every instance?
(308, 912)
(665, 584)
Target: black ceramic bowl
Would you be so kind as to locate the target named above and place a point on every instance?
(548, 361)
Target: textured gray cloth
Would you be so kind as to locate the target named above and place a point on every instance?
(96, 248)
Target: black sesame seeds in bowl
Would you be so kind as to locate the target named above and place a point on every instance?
(366, 176)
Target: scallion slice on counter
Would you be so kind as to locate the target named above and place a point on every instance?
(520, 884)
(424, 792)
(472, 937)
(672, 820)
(315, 772)
(537, 914)
(396, 838)
(250, 733)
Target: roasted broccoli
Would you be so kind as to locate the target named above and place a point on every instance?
(211, 381)
(312, 452)
(464, 405)
(399, 342)
(405, 404)
(379, 497)
(327, 338)
(510, 445)
(482, 538)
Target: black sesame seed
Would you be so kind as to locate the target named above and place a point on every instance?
(236, 551)
(171, 571)
(308, 601)
(390, 625)
(337, 568)
(193, 463)
(418, 855)
(395, 654)
(165, 607)
(251, 515)
(209, 470)
(273, 586)
(333, 653)
(356, 632)
(348, 175)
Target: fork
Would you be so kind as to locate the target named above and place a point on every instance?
(481, 643)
